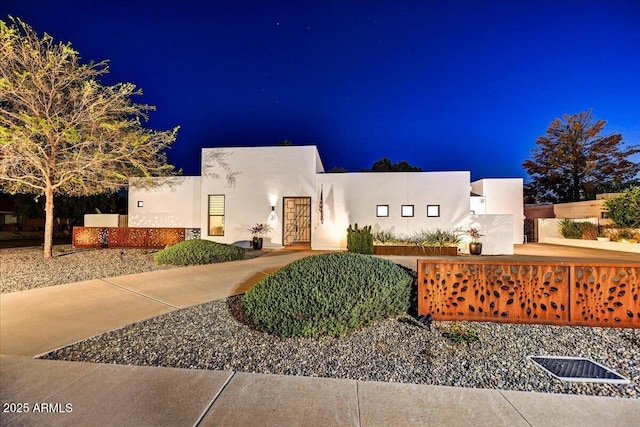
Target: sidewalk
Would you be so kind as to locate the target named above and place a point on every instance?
(37, 321)
(40, 320)
(113, 395)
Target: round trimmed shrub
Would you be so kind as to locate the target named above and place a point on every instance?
(198, 251)
(328, 294)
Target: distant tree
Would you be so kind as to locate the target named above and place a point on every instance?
(573, 162)
(337, 169)
(385, 165)
(625, 209)
(285, 142)
(61, 131)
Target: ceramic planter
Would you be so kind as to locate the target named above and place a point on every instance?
(475, 248)
(257, 243)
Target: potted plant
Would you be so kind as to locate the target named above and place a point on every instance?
(475, 246)
(259, 231)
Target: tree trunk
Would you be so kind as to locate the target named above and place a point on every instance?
(48, 223)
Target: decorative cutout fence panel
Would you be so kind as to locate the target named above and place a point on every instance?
(525, 292)
(122, 237)
(606, 295)
(89, 237)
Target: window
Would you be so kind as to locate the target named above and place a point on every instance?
(382, 210)
(433, 210)
(407, 210)
(216, 215)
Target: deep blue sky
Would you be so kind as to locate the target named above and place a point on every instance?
(445, 85)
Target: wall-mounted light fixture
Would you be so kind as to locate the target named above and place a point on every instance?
(140, 204)
(272, 215)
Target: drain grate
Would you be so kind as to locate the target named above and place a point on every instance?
(578, 369)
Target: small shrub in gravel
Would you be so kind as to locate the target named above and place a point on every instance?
(198, 251)
(328, 294)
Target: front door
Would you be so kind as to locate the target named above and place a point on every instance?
(297, 220)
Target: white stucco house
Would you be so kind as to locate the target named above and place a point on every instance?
(287, 188)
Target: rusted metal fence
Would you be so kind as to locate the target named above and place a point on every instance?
(524, 292)
(123, 237)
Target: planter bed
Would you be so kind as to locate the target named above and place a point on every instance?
(415, 250)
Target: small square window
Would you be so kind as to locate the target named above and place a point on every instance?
(382, 210)
(140, 204)
(407, 210)
(433, 210)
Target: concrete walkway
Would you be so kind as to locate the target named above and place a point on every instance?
(70, 393)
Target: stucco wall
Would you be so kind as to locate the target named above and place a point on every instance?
(176, 203)
(584, 209)
(497, 233)
(478, 205)
(101, 220)
(539, 211)
(504, 196)
(351, 198)
(253, 179)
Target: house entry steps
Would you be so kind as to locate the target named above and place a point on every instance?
(578, 369)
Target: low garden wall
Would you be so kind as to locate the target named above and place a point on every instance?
(124, 237)
(549, 233)
(593, 244)
(415, 250)
(524, 292)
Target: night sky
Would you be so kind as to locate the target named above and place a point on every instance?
(445, 85)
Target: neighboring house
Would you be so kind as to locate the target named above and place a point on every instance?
(286, 187)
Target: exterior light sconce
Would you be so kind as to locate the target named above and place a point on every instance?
(272, 215)
(140, 204)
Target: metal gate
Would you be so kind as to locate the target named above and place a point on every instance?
(531, 230)
(297, 220)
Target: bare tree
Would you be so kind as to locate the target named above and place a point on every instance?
(61, 131)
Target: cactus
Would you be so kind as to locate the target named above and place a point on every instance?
(360, 240)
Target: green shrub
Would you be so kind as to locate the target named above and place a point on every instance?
(328, 294)
(360, 240)
(589, 231)
(571, 229)
(624, 210)
(462, 334)
(198, 251)
(440, 238)
(624, 235)
(435, 237)
(385, 237)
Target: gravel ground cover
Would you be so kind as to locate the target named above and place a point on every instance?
(216, 336)
(25, 268)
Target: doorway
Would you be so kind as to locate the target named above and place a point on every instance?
(297, 221)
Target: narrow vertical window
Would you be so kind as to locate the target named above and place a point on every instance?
(216, 215)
